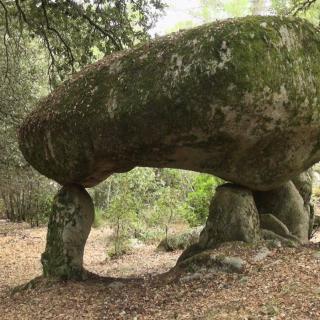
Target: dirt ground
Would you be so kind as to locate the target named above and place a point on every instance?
(284, 285)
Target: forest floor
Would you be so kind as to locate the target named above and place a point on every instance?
(283, 285)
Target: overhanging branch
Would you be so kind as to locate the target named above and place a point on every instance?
(302, 6)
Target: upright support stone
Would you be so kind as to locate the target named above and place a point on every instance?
(303, 182)
(288, 206)
(68, 229)
(233, 216)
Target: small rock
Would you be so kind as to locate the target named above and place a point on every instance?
(316, 255)
(116, 285)
(233, 264)
(135, 243)
(317, 291)
(209, 275)
(262, 254)
(180, 241)
(244, 279)
(191, 277)
(273, 243)
(271, 310)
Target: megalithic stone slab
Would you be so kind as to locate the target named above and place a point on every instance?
(286, 204)
(237, 98)
(233, 216)
(68, 229)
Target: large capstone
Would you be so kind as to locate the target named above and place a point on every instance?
(68, 229)
(237, 99)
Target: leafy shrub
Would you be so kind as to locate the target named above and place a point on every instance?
(196, 208)
(149, 235)
(100, 218)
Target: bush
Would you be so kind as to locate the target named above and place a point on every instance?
(100, 218)
(196, 208)
(119, 247)
(149, 235)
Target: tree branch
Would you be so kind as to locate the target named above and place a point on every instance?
(57, 33)
(21, 12)
(106, 33)
(6, 33)
(302, 6)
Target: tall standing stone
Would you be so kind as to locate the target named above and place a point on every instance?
(304, 182)
(288, 206)
(233, 216)
(68, 229)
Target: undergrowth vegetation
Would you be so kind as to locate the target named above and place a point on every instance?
(144, 203)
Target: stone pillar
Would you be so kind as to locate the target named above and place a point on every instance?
(233, 216)
(303, 182)
(287, 205)
(68, 229)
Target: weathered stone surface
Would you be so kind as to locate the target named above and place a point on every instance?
(68, 229)
(233, 216)
(316, 221)
(303, 183)
(208, 260)
(262, 254)
(180, 241)
(270, 222)
(289, 241)
(237, 98)
(286, 204)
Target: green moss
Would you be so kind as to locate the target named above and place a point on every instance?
(61, 256)
(112, 115)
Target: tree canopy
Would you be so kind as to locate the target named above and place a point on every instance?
(76, 33)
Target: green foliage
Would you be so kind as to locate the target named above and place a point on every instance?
(42, 208)
(25, 194)
(47, 40)
(99, 218)
(211, 10)
(75, 33)
(237, 8)
(144, 203)
(281, 6)
(122, 213)
(196, 208)
(149, 234)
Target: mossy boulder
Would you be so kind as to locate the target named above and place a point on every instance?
(237, 98)
(180, 241)
(233, 216)
(303, 182)
(209, 260)
(68, 229)
(286, 204)
(270, 222)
